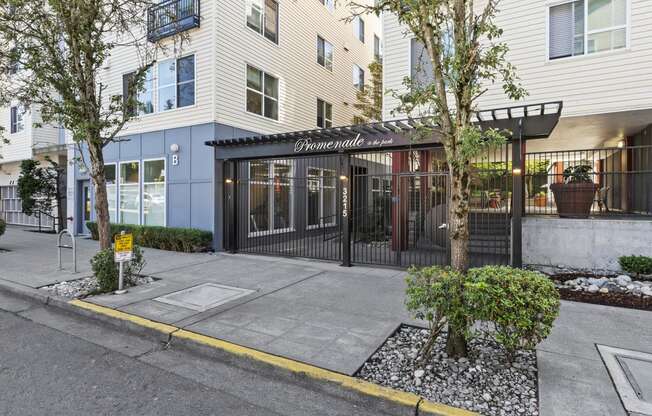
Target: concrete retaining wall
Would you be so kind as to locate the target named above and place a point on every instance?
(590, 243)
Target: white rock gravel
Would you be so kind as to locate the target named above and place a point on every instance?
(83, 287)
(486, 382)
(621, 284)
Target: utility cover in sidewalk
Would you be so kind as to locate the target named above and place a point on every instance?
(631, 372)
(203, 297)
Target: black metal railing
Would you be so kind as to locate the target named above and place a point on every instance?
(171, 17)
(617, 181)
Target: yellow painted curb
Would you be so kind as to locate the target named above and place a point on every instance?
(365, 387)
(112, 313)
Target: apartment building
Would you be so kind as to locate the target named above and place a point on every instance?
(26, 141)
(595, 57)
(251, 67)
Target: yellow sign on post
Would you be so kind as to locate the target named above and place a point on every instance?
(124, 247)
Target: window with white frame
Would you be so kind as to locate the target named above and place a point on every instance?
(270, 196)
(330, 4)
(129, 193)
(154, 192)
(322, 185)
(358, 28)
(587, 26)
(358, 77)
(324, 114)
(262, 93)
(111, 191)
(17, 123)
(324, 53)
(176, 83)
(262, 16)
(378, 49)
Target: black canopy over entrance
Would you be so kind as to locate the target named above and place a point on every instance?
(370, 193)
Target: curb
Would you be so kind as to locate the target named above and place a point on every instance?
(367, 394)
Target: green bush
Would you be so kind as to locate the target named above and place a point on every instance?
(3, 227)
(636, 264)
(106, 270)
(521, 304)
(187, 240)
(436, 294)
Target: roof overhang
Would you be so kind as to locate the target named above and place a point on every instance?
(520, 122)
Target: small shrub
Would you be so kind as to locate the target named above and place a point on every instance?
(521, 304)
(436, 295)
(3, 227)
(636, 264)
(186, 240)
(106, 270)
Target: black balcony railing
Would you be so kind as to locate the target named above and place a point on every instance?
(171, 17)
(621, 178)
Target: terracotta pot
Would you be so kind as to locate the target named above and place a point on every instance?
(574, 200)
(540, 201)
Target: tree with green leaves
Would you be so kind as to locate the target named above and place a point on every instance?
(60, 49)
(42, 189)
(465, 56)
(370, 99)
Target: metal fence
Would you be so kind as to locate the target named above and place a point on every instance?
(619, 181)
(171, 17)
(380, 208)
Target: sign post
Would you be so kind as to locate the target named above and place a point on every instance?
(123, 252)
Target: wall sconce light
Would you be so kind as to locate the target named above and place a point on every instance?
(516, 171)
(174, 148)
(621, 144)
(343, 178)
(229, 181)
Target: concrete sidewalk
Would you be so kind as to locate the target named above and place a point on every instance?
(333, 317)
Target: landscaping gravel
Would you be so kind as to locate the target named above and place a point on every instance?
(619, 284)
(487, 382)
(88, 285)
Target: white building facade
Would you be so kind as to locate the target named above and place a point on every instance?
(249, 68)
(595, 56)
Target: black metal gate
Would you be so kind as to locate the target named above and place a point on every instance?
(381, 208)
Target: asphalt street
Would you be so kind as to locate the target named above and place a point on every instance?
(55, 363)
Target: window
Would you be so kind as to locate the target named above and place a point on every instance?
(262, 93)
(17, 123)
(358, 77)
(587, 26)
(111, 191)
(330, 4)
(129, 193)
(358, 28)
(146, 96)
(263, 19)
(176, 83)
(324, 114)
(378, 53)
(154, 192)
(321, 197)
(324, 53)
(270, 196)
(420, 64)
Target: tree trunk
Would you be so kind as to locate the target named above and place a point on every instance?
(101, 201)
(458, 222)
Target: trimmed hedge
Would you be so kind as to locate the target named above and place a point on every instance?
(3, 227)
(186, 240)
(636, 264)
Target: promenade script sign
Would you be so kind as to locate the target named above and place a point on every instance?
(358, 142)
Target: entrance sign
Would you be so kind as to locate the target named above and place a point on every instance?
(358, 142)
(123, 248)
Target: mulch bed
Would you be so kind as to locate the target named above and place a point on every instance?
(608, 299)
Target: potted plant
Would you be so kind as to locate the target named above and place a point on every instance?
(575, 195)
(541, 199)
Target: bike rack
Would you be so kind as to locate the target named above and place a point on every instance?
(72, 247)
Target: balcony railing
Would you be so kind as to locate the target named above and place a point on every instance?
(171, 17)
(622, 177)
